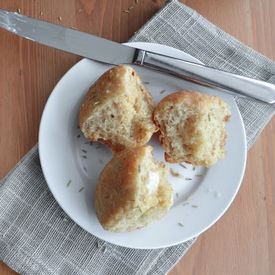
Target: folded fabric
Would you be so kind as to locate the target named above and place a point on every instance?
(37, 237)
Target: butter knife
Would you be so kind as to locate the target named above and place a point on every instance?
(106, 51)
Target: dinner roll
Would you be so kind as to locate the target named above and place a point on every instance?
(132, 190)
(117, 110)
(192, 127)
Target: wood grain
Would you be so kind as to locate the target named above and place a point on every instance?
(243, 240)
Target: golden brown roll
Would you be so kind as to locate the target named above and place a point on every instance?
(192, 127)
(132, 190)
(117, 110)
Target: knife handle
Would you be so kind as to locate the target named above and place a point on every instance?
(236, 84)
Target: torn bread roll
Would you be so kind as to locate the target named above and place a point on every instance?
(192, 127)
(132, 191)
(118, 110)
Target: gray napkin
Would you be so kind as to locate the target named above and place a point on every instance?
(37, 237)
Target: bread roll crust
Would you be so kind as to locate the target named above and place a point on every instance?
(123, 201)
(192, 127)
(117, 110)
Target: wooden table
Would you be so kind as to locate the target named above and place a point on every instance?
(243, 240)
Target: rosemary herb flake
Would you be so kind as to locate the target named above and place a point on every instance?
(68, 184)
(81, 189)
(137, 208)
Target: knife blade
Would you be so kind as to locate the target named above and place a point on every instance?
(106, 51)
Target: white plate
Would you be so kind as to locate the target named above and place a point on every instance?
(198, 203)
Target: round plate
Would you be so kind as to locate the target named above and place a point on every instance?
(71, 164)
